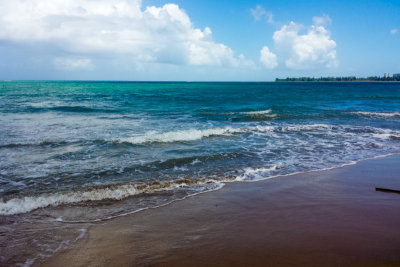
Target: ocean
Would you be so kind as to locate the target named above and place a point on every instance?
(75, 153)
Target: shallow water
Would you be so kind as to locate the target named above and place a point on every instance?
(89, 151)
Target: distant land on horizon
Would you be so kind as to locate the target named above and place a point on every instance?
(394, 78)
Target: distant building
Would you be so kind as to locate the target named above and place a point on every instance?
(396, 76)
(386, 75)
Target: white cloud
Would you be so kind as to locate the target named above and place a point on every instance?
(267, 58)
(312, 49)
(325, 20)
(74, 63)
(88, 28)
(260, 13)
(394, 31)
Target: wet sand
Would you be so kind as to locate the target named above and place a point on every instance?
(327, 218)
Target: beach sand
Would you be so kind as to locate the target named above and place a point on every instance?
(325, 218)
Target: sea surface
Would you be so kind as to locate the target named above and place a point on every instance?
(78, 153)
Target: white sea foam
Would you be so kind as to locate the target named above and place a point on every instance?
(81, 234)
(308, 127)
(261, 178)
(258, 173)
(119, 192)
(29, 203)
(378, 114)
(181, 135)
(386, 136)
(197, 134)
(189, 135)
(365, 135)
(217, 186)
(113, 192)
(260, 112)
(196, 161)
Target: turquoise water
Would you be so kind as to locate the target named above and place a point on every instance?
(77, 153)
(71, 142)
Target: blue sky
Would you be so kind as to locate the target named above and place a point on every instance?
(197, 40)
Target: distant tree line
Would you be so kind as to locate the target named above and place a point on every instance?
(338, 79)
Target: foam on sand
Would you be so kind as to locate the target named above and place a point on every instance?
(259, 173)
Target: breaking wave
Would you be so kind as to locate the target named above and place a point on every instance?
(25, 204)
(180, 136)
(260, 112)
(378, 114)
(353, 137)
(198, 134)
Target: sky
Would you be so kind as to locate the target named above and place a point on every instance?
(197, 40)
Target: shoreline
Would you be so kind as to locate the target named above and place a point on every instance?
(332, 217)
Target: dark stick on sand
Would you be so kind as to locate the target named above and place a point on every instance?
(386, 190)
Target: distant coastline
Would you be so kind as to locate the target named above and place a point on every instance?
(340, 79)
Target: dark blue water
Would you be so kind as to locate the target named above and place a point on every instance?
(76, 153)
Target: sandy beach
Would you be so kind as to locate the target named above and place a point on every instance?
(325, 218)
(199, 133)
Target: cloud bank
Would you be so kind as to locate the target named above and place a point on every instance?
(102, 35)
(302, 48)
(309, 50)
(85, 28)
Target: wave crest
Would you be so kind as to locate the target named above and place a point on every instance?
(25, 204)
(378, 114)
(179, 136)
(260, 112)
(197, 134)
